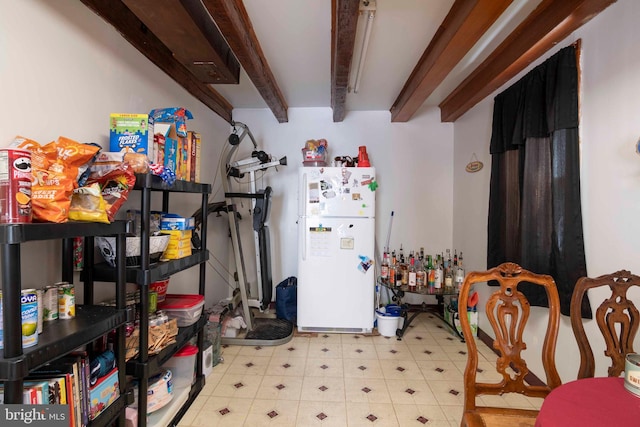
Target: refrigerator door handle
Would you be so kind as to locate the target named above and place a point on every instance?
(302, 196)
(303, 237)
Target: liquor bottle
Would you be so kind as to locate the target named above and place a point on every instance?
(446, 263)
(439, 275)
(392, 269)
(404, 271)
(459, 274)
(384, 268)
(448, 280)
(412, 274)
(431, 275)
(421, 275)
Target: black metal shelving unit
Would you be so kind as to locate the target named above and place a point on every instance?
(145, 366)
(60, 337)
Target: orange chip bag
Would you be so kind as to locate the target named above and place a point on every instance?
(50, 200)
(25, 144)
(69, 157)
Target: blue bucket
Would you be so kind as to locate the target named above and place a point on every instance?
(393, 310)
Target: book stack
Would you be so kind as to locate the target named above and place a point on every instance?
(67, 381)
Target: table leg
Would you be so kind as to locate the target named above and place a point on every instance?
(406, 320)
(438, 311)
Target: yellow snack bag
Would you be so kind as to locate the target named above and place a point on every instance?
(87, 204)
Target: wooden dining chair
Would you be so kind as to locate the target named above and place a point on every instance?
(617, 318)
(507, 311)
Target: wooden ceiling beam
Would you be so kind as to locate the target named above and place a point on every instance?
(461, 29)
(344, 20)
(135, 32)
(550, 23)
(233, 21)
(186, 28)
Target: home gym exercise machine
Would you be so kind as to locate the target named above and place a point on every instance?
(260, 330)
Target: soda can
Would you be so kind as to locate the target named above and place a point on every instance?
(78, 253)
(39, 294)
(66, 301)
(50, 303)
(29, 314)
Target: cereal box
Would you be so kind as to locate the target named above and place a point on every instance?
(194, 173)
(167, 132)
(176, 222)
(104, 393)
(132, 133)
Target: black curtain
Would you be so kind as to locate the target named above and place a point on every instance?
(535, 218)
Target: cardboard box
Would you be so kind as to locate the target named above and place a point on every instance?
(175, 243)
(453, 318)
(176, 222)
(168, 132)
(183, 158)
(158, 145)
(195, 156)
(132, 133)
(104, 393)
(178, 234)
(177, 253)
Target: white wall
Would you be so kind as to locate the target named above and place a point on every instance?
(412, 162)
(63, 70)
(610, 170)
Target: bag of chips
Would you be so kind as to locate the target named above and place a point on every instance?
(87, 204)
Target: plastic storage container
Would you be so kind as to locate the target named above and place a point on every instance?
(185, 308)
(183, 366)
(161, 288)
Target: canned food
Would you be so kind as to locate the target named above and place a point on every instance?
(632, 373)
(153, 320)
(15, 185)
(29, 314)
(162, 317)
(153, 301)
(39, 294)
(50, 303)
(66, 302)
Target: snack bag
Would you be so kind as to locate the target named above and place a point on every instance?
(25, 143)
(87, 204)
(50, 191)
(70, 157)
(55, 168)
(116, 178)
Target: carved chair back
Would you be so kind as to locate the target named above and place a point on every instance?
(617, 317)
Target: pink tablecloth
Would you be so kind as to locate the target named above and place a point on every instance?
(590, 402)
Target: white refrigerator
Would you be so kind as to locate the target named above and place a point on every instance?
(336, 272)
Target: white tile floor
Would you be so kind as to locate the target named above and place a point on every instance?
(344, 380)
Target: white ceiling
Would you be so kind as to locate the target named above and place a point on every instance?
(295, 36)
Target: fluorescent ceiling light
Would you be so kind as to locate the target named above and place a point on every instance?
(367, 12)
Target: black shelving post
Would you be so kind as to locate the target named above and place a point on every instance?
(11, 316)
(143, 351)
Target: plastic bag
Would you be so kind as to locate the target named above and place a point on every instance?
(287, 299)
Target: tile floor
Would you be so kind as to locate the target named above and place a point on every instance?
(344, 380)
